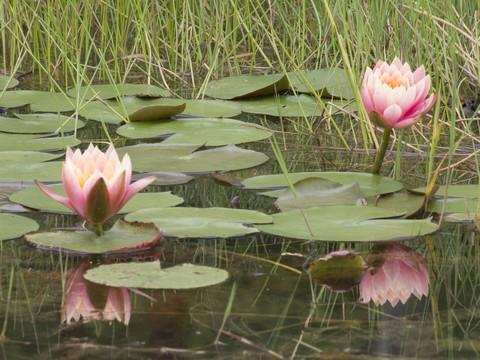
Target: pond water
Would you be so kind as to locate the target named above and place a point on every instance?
(268, 308)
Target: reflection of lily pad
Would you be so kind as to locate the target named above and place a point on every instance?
(369, 184)
(29, 165)
(238, 87)
(36, 199)
(22, 142)
(346, 223)
(310, 192)
(13, 226)
(211, 108)
(149, 275)
(184, 222)
(39, 123)
(7, 82)
(183, 158)
(123, 236)
(327, 82)
(208, 131)
(110, 91)
(289, 105)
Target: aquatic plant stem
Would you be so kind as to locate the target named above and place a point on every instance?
(381, 151)
(98, 229)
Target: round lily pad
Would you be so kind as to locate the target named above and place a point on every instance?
(38, 100)
(36, 199)
(165, 177)
(184, 158)
(346, 224)
(27, 142)
(28, 166)
(123, 236)
(149, 275)
(184, 222)
(110, 91)
(7, 82)
(208, 131)
(39, 123)
(211, 108)
(369, 184)
(407, 203)
(238, 87)
(13, 226)
(471, 191)
(326, 82)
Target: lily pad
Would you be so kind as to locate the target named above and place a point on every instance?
(290, 106)
(110, 91)
(339, 270)
(454, 205)
(183, 158)
(211, 108)
(461, 218)
(22, 142)
(165, 177)
(38, 100)
(346, 224)
(123, 236)
(36, 199)
(39, 123)
(13, 226)
(149, 275)
(310, 192)
(29, 165)
(326, 82)
(7, 82)
(208, 131)
(184, 222)
(400, 202)
(369, 184)
(155, 112)
(239, 87)
(455, 191)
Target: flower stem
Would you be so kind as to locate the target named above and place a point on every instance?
(98, 229)
(381, 151)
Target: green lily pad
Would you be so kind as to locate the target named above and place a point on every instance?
(36, 199)
(289, 106)
(455, 191)
(184, 222)
(7, 82)
(211, 108)
(208, 131)
(461, 218)
(339, 270)
(240, 87)
(155, 112)
(326, 82)
(313, 191)
(454, 205)
(13, 226)
(369, 184)
(38, 100)
(123, 236)
(110, 91)
(22, 142)
(149, 275)
(182, 158)
(165, 177)
(29, 165)
(346, 224)
(400, 202)
(39, 123)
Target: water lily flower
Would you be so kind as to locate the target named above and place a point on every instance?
(97, 184)
(394, 97)
(396, 272)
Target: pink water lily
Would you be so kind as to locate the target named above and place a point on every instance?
(97, 184)
(394, 96)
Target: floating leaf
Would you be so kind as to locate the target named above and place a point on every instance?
(110, 91)
(182, 158)
(313, 191)
(211, 108)
(290, 106)
(13, 226)
(165, 177)
(36, 199)
(454, 205)
(238, 87)
(184, 222)
(346, 223)
(398, 202)
(339, 270)
(369, 184)
(29, 165)
(149, 275)
(462, 217)
(155, 112)
(54, 101)
(123, 236)
(326, 82)
(22, 142)
(208, 131)
(7, 82)
(459, 191)
(39, 123)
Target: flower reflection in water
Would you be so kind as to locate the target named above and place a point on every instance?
(395, 273)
